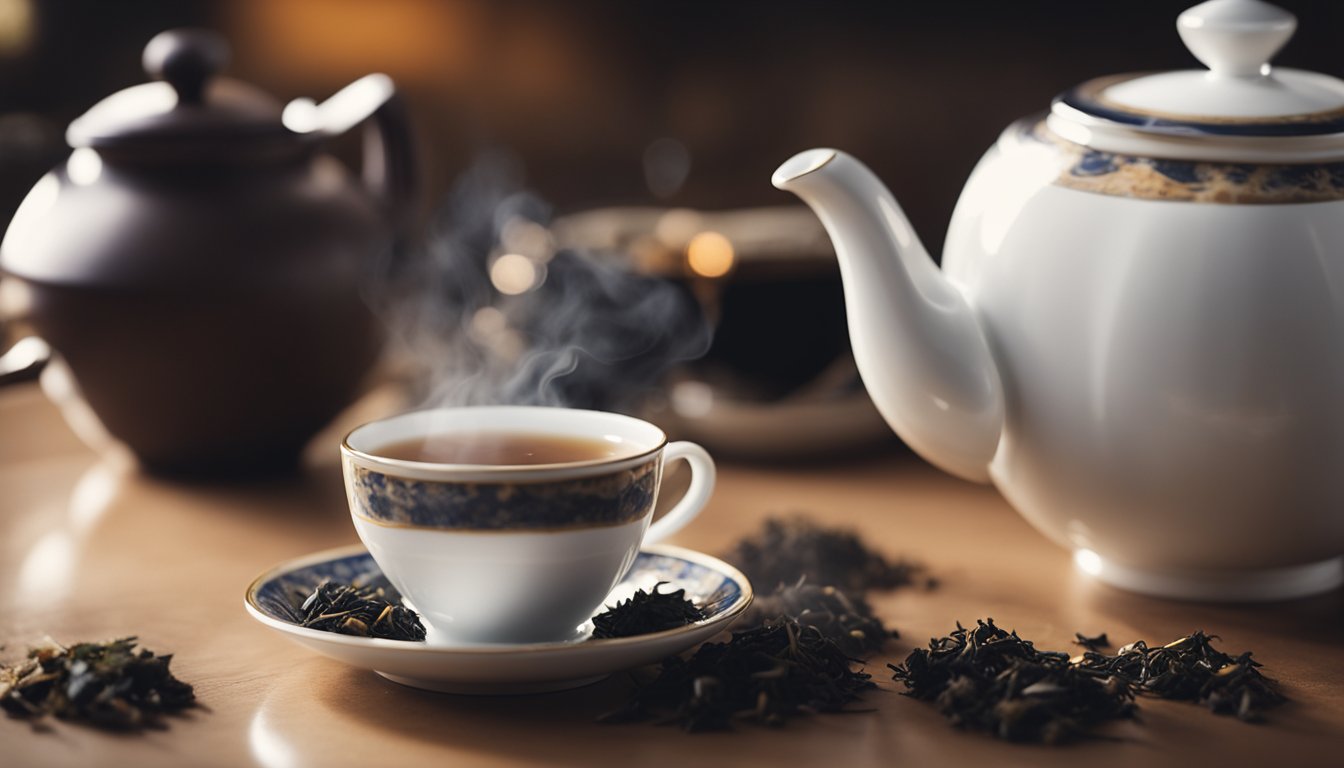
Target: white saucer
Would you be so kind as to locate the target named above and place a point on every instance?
(719, 588)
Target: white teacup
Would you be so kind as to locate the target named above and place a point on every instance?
(513, 553)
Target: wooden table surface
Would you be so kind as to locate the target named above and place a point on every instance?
(90, 550)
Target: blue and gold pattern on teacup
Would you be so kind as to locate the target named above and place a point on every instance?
(615, 498)
(1151, 178)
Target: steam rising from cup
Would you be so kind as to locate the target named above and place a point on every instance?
(493, 312)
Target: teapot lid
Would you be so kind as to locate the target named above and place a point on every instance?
(189, 108)
(1239, 109)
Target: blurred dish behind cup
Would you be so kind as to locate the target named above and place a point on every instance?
(778, 381)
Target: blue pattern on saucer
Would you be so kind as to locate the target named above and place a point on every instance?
(716, 592)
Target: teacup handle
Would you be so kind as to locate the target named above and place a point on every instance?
(702, 487)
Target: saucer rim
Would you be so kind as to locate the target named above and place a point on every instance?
(250, 603)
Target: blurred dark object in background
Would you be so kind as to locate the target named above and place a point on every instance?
(685, 106)
(583, 91)
(197, 263)
(778, 381)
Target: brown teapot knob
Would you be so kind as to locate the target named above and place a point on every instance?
(187, 59)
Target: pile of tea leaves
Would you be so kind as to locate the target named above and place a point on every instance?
(110, 685)
(820, 576)
(988, 679)
(765, 675)
(847, 620)
(1191, 669)
(360, 610)
(647, 612)
(788, 549)
(797, 649)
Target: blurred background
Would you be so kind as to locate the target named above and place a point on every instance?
(581, 90)
(610, 116)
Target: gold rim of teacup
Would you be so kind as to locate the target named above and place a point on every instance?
(429, 470)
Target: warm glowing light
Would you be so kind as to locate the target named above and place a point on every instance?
(46, 576)
(676, 227)
(16, 299)
(1088, 562)
(84, 166)
(17, 21)
(710, 254)
(692, 399)
(514, 273)
(269, 747)
(487, 322)
(529, 238)
(508, 346)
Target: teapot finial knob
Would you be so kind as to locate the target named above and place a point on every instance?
(1236, 37)
(187, 59)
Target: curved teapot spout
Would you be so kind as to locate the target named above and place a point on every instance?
(917, 342)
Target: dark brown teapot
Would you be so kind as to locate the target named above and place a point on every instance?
(198, 260)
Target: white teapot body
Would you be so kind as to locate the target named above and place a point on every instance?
(1143, 350)
(1172, 374)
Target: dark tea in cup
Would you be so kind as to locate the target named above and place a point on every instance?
(500, 449)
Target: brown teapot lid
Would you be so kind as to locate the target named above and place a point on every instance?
(189, 108)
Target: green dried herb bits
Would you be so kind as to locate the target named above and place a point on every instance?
(110, 685)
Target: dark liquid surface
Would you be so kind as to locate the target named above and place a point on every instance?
(500, 448)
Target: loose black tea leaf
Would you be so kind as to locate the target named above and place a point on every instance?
(110, 685)
(788, 549)
(763, 675)
(646, 612)
(1091, 643)
(809, 624)
(846, 619)
(1191, 669)
(992, 680)
(365, 611)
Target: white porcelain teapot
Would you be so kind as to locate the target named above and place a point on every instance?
(1138, 330)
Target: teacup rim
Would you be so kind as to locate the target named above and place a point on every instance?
(489, 471)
